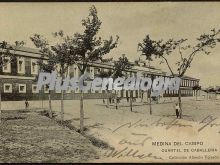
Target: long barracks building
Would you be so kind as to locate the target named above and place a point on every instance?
(18, 79)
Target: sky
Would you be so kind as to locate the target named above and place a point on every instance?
(131, 21)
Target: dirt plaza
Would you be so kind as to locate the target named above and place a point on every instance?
(135, 132)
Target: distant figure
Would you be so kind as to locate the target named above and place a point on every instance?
(103, 101)
(118, 100)
(26, 104)
(158, 99)
(177, 110)
(127, 99)
(110, 100)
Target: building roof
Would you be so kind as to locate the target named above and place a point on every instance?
(191, 78)
(30, 50)
(26, 51)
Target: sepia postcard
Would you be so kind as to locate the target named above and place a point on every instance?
(113, 82)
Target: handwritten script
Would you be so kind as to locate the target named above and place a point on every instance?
(208, 121)
(129, 152)
(157, 123)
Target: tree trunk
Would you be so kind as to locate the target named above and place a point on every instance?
(142, 95)
(148, 95)
(131, 97)
(150, 103)
(50, 107)
(107, 99)
(180, 102)
(0, 106)
(42, 99)
(116, 102)
(81, 114)
(62, 107)
(150, 89)
(62, 96)
(116, 97)
(81, 106)
(196, 95)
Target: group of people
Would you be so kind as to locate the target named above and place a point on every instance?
(112, 100)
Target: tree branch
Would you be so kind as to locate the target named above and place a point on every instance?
(168, 65)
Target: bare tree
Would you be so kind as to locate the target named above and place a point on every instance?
(162, 49)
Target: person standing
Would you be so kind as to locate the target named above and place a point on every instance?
(103, 101)
(26, 104)
(110, 100)
(177, 110)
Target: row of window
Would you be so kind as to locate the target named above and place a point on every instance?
(34, 67)
(21, 66)
(176, 92)
(188, 83)
(34, 70)
(7, 87)
(22, 89)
